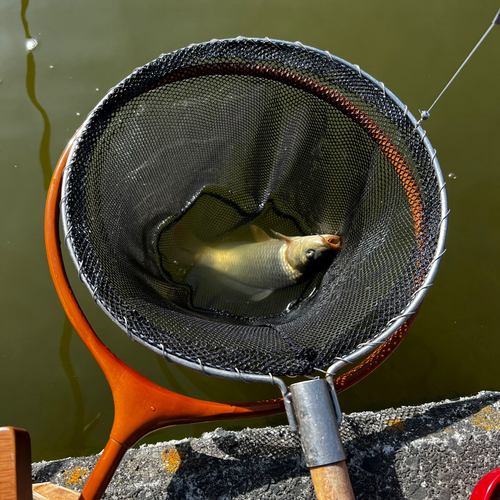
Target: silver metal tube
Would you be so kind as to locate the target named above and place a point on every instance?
(317, 422)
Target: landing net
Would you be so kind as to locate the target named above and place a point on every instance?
(227, 134)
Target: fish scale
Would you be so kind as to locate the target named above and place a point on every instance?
(260, 265)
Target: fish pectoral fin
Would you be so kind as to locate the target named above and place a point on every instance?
(259, 235)
(255, 294)
(261, 294)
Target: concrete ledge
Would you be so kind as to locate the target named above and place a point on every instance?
(435, 451)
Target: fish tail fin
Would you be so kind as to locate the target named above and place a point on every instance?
(188, 247)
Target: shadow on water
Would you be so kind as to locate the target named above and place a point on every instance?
(77, 443)
(30, 87)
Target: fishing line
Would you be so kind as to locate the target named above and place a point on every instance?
(424, 115)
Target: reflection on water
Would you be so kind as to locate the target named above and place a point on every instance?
(175, 385)
(24, 8)
(77, 439)
(77, 442)
(31, 43)
(30, 87)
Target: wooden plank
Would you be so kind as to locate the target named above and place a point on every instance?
(15, 464)
(49, 491)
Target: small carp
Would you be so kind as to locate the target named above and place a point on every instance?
(261, 267)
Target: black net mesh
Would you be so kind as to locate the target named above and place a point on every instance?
(238, 132)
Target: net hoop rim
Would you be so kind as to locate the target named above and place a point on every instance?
(363, 349)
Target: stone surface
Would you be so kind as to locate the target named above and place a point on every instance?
(435, 451)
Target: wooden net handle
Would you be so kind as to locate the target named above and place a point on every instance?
(331, 482)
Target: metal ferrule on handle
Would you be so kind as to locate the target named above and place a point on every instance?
(317, 421)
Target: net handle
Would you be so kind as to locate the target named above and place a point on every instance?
(141, 406)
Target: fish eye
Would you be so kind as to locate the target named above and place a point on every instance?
(310, 254)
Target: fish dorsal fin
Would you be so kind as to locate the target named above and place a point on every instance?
(259, 234)
(286, 239)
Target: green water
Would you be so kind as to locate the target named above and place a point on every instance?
(49, 383)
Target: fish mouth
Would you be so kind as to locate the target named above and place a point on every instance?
(332, 241)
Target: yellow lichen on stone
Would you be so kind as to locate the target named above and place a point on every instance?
(75, 476)
(395, 425)
(487, 419)
(172, 459)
